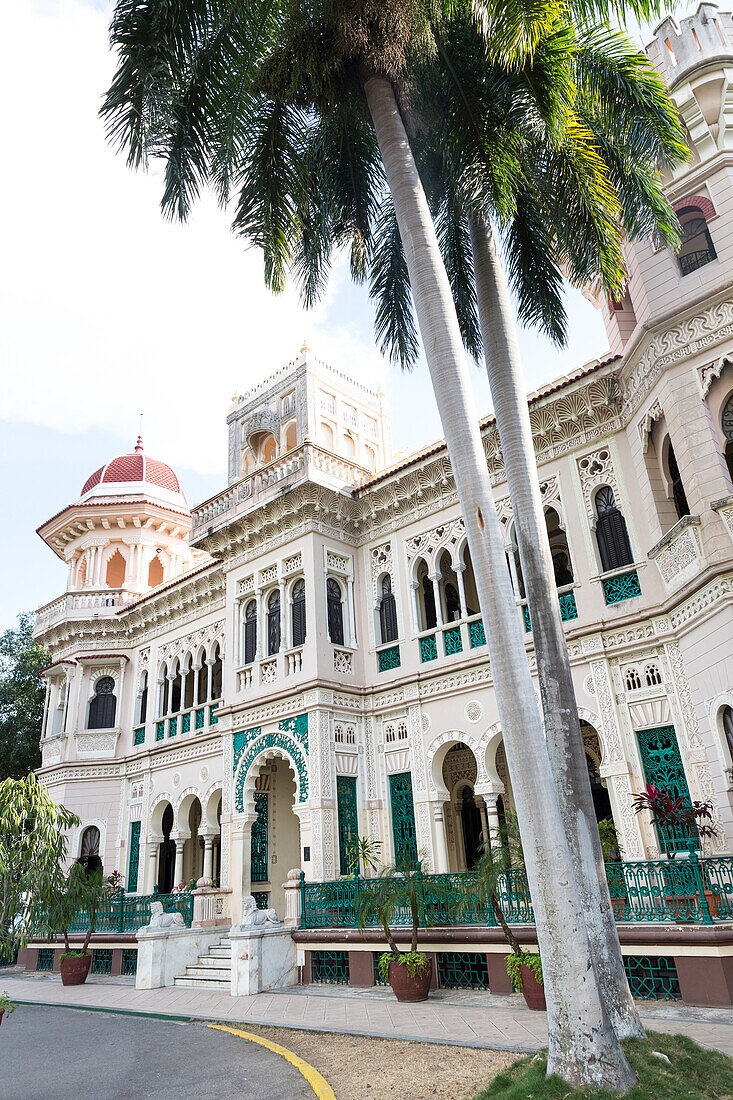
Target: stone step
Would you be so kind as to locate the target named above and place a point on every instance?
(218, 973)
(221, 962)
(203, 983)
(224, 952)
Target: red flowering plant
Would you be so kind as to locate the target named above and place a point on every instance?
(672, 814)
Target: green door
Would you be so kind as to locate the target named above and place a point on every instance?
(259, 857)
(348, 820)
(133, 865)
(662, 762)
(403, 818)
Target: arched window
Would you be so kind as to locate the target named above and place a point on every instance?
(250, 632)
(163, 690)
(116, 568)
(268, 449)
(216, 673)
(387, 612)
(425, 596)
(633, 679)
(176, 690)
(143, 708)
(349, 446)
(273, 623)
(559, 549)
(652, 675)
(155, 572)
(611, 534)
(103, 707)
(697, 247)
(290, 437)
(678, 490)
(728, 729)
(335, 612)
(298, 612)
(327, 436)
(202, 684)
(726, 423)
(89, 849)
(189, 677)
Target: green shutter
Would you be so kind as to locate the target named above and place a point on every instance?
(403, 818)
(134, 857)
(347, 815)
(259, 858)
(660, 756)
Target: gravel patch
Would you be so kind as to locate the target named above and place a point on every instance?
(360, 1068)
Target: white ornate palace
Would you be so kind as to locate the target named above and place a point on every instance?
(235, 689)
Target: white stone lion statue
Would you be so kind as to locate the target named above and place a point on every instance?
(252, 917)
(160, 919)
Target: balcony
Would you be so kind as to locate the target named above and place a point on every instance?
(462, 635)
(307, 462)
(86, 604)
(568, 607)
(678, 555)
(192, 720)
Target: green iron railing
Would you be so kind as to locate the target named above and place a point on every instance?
(684, 890)
(388, 658)
(128, 912)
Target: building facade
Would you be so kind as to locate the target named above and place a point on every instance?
(240, 688)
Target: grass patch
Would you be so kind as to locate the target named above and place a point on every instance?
(695, 1073)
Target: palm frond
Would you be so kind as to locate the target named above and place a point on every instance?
(533, 270)
(455, 245)
(389, 287)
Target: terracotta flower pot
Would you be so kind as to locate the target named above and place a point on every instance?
(534, 992)
(2, 1013)
(406, 987)
(74, 969)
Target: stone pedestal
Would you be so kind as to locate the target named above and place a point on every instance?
(262, 958)
(164, 953)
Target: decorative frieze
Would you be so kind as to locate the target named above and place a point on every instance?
(679, 555)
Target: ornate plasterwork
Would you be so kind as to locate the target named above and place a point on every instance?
(205, 636)
(609, 731)
(596, 469)
(678, 342)
(710, 371)
(653, 413)
(678, 556)
(380, 558)
(446, 536)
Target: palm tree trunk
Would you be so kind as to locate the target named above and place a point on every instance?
(562, 728)
(583, 1047)
(499, 914)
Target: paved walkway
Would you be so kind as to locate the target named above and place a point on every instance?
(476, 1019)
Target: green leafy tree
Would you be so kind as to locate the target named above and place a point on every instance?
(21, 699)
(33, 850)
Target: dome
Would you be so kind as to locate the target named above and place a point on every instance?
(134, 473)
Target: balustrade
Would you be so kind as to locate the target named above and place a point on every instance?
(688, 890)
(77, 604)
(128, 912)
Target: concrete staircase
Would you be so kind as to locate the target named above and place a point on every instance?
(212, 971)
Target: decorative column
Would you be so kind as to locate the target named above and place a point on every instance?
(151, 867)
(205, 879)
(481, 803)
(237, 633)
(350, 611)
(414, 585)
(209, 666)
(170, 678)
(437, 600)
(261, 629)
(178, 870)
(461, 590)
(442, 865)
(492, 818)
(44, 724)
(511, 558)
(284, 616)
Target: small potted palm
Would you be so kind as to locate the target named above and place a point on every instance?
(396, 888)
(498, 863)
(6, 1006)
(84, 892)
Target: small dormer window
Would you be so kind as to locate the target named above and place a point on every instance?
(697, 247)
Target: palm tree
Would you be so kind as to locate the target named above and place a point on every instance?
(228, 92)
(623, 104)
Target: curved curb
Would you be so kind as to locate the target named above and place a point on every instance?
(318, 1083)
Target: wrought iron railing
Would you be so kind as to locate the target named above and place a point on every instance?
(128, 912)
(683, 890)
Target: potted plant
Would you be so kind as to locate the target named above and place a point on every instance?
(6, 1005)
(495, 864)
(362, 855)
(672, 816)
(380, 898)
(83, 892)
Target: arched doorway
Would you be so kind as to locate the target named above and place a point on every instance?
(471, 827)
(166, 853)
(593, 752)
(275, 836)
(193, 849)
(464, 829)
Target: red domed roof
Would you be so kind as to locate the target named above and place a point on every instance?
(135, 467)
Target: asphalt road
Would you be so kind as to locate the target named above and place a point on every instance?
(70, 1054)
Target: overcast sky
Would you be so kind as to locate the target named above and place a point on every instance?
(106, 309)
